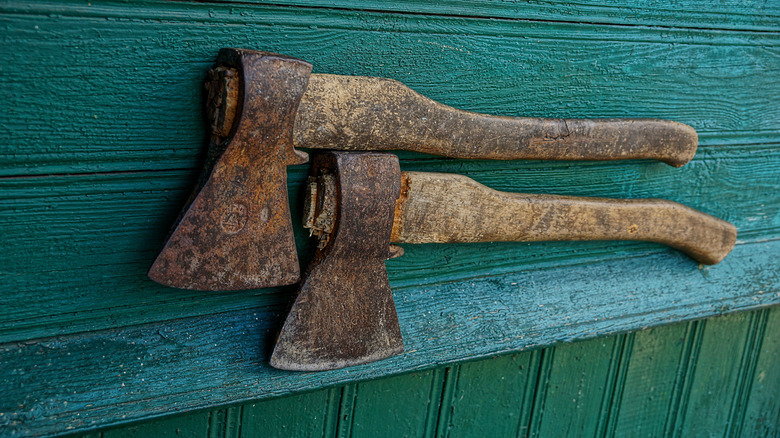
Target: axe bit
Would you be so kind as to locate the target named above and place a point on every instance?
(358, 203)
(236, 232)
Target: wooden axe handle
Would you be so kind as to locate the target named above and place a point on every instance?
(436, 207)
(356, 113)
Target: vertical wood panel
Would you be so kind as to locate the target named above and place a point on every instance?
(225, 423)
(303, 415)
(762, 413)
(195, 425)
(397, 406)
(649, 384)
(494, 397)
(580, 378)
(449, 379)
(714, 382)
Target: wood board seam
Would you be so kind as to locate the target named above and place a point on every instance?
(544, 368)
(748, 363)
(419, 159)
(450, 380)
(685, 375)
(332, 407)
(435, 389)
(613, 397)
(469, 17)
(660, 31)
(529, 385)
(261, 5)
(346, 416)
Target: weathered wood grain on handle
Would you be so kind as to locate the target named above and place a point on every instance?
(365, 113)
(436, 207)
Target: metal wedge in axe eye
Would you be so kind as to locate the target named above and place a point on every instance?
(359, 203)
(235, 232)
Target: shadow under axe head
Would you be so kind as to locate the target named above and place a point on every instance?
(236, 232)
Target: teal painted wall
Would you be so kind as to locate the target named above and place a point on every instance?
(103, 139)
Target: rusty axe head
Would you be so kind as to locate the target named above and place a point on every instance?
(344, 313)
(236, 232)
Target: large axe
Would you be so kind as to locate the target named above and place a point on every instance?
(235, 231)
(358, 203)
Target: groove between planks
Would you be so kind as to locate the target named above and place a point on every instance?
(546, 65)
(658, 17)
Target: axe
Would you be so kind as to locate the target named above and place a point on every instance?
(358, 203)
(235, 231)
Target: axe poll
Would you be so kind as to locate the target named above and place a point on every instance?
(235, 231)
(358, 203)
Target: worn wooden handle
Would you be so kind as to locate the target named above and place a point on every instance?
(364, 113)
(436, 207)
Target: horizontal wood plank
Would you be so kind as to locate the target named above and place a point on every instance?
(761, 410)
(742, 15)
(149, 370)
(117, 87)
(79, 247)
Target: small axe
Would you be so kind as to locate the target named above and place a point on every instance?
(358, 203)
(235, 231)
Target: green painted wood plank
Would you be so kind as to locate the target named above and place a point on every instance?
(64, 276)
(493, 397)
(649, 384)
(750, 356)
(681, 389)
(613, 396)
(577, 383)
(762, 414)
(68, 240)
(195, 363)
(713, 382)
(445, 399)
(226, 422)
(302, 416)
(440, 385)
(742, 15)
(90, 435)
(394, 407)
(194, 425)
(141, 111)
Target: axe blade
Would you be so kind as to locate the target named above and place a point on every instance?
(237, 233)
(344, 313)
